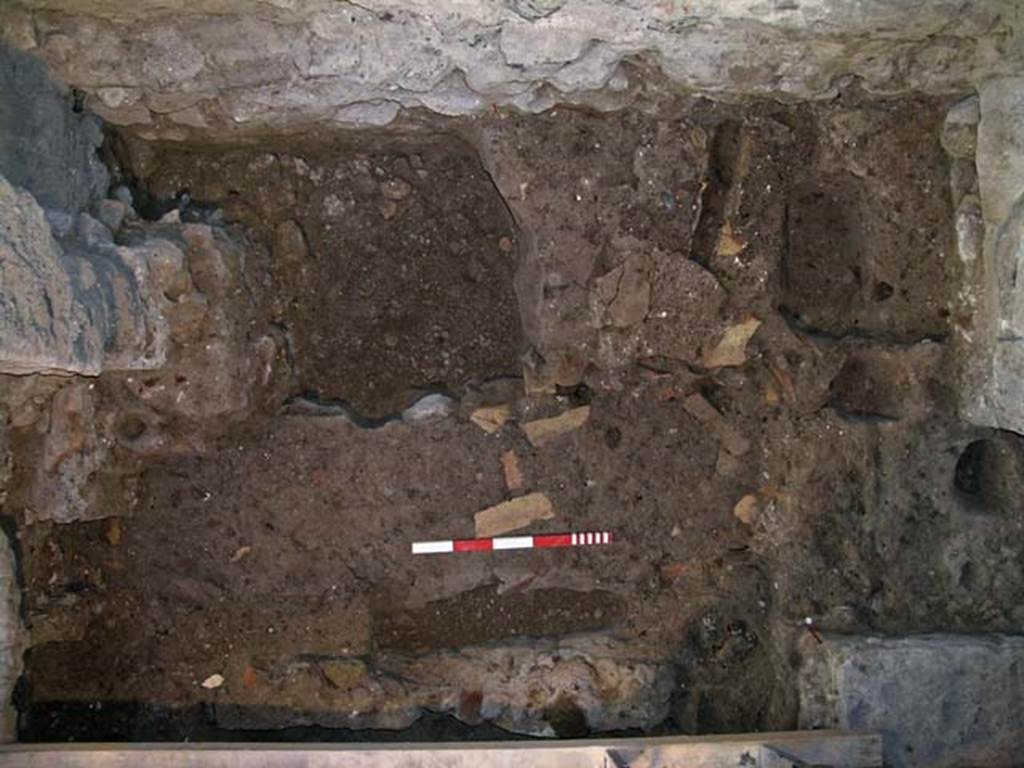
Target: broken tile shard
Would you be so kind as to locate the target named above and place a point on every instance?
(746, 510)
(512, 515)
(729, 243)
(344, 674)
(543, 431)
(510, 468)
(731, 349)
(491, 418)
(703, 411)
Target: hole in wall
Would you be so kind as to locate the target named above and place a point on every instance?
(989, 473)
(131, 428)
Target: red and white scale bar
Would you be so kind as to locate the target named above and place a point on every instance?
(548, 541)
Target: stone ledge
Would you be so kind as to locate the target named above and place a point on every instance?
(938, 700)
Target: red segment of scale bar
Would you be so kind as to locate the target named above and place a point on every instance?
(472, 545)
(555, 540)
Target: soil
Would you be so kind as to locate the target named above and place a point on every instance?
(396, 270)
(392, 269)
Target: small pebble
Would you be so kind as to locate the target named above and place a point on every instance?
(213, 681)
(395, 189)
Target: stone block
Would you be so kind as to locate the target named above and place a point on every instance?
(81, 306)
(938, 700)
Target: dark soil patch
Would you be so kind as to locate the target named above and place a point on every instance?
(392, 267)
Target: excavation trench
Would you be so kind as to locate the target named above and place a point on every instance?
(753, 301)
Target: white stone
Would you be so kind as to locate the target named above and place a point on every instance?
(213, 681)
(428, 408)
(368, 113)
(115, 98)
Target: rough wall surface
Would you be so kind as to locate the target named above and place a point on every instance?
(176, 65)
(946, 700)
(46, 146)
(208, 367)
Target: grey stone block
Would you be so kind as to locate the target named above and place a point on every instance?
(959, 132)
(80, 306)
(938, 700)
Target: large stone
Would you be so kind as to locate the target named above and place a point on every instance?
(72, 454)
(1000, 155)
(42, 327)
(75, 307)
(591, 291)
(685, 308)
(222, 356)
(992, 384)
(960, 129)
(937, 700)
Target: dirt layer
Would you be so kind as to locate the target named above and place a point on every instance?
(392, 267)
(822, 475)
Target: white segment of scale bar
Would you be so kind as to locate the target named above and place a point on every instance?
(590, 537)
(513, 542)
(432, 547)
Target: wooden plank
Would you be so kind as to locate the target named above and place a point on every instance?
(764, 750)
(862, 750)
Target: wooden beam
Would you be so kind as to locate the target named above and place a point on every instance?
(756, 750)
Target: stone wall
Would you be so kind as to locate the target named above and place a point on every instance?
(75, 304)
(226, 65)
